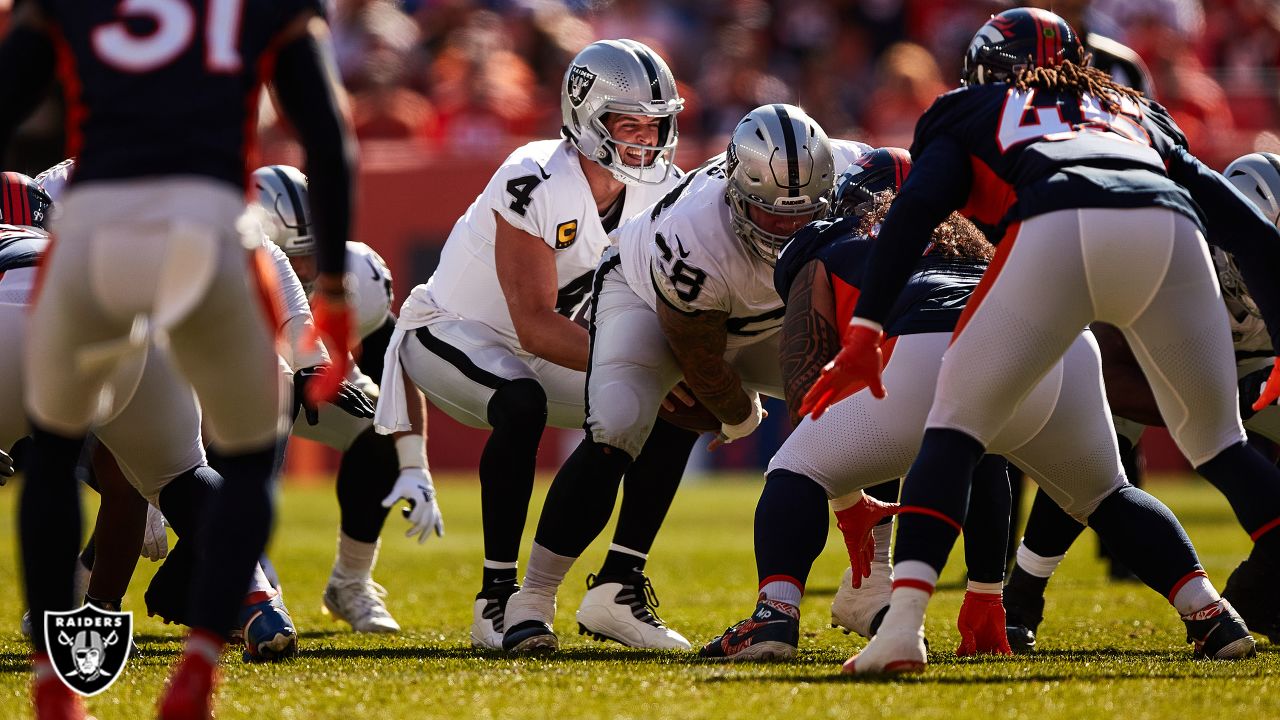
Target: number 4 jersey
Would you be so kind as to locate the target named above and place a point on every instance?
(683, 252)
(541, 190)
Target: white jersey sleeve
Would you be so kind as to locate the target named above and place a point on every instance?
(514, 194)
(686, 276)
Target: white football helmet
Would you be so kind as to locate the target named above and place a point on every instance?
(1257, 175)
(779, 161)
(280, 191)
(626, 77)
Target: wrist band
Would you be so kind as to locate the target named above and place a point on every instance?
(411, 450)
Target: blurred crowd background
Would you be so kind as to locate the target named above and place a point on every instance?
(442, 90)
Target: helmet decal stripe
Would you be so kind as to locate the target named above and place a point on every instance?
(299, 210)
(793, 153)
(25, 208)
(650, 69)
(1272, 160)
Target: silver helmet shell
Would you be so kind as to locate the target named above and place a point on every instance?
(1257, 175)
(625, 77)
(779, 160)
(280, 192)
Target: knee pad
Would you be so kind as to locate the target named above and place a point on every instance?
(520, 402)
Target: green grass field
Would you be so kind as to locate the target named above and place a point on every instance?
(1108, 650)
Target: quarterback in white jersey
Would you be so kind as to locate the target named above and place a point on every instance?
(490, 337)
(689, 294)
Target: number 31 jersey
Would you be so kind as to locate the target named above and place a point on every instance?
(541, 190)
(683, 252)
(165, 87)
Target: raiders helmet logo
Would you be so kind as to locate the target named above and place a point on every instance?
(580, 82)
(88, 647)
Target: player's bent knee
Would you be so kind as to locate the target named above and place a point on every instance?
(620, 417)
(519, 403)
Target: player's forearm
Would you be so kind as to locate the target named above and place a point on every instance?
(411, 445)
(698, 341)
(552, 336)
(809, 335)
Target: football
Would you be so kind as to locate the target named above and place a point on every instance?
(697, 418)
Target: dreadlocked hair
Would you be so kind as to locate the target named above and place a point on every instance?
(1076, 80)
(955, 237)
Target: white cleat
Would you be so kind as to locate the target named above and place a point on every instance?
(527, 622)
(487, 616)
(622, 609)
(360, 603)
(891, 651)
(859, 609)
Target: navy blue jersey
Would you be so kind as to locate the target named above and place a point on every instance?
(931, 301)
(170, 88)
(1036, 151)
(20, 248)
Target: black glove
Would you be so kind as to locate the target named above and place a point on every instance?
(6, 467)
(350, 399)
(1250, 389)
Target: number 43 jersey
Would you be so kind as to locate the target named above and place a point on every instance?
(541, 190)
(683, 252)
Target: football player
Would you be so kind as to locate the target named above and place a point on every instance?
(150, 245)
(489, 338)
(1252, 589)
(375, 470)
(1086, 182)
(688, 292)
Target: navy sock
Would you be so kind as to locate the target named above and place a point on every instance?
(1251, 485)
(517, 413)
(367, 473)
(790, 527)
(986, 529)
(935, 496)
(1050, 530)
(581, 498)
(227, 559)
(648, 489)
(498, 576)
(49, 526)
(1145, 536)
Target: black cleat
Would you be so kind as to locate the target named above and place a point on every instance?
(1253, 592)
(1023, 613)
(771, 633)
(529, 637)
(1218, 633)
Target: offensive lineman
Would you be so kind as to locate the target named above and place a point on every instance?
(490, 340)
(688, 291)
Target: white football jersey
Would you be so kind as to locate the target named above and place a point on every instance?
(684, 251)
(541, 190)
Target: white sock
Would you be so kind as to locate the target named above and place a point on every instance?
(784, 591)
(1195, 594)
(546, 570)
(1037, 565)
(259, 582)
(983, 588)
(883, 535)
(355, 559)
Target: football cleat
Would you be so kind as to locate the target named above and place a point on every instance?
(1023, 613)
(25, 625)
(487, 615)
(771, 633)
(1253, 592)
(268, 631)
(623, 609)
(1217, 633)
(891, 651)
(189, 695)
(50, 697)
(527, 622)
(982, 626)
(860, 610)
(360, 603)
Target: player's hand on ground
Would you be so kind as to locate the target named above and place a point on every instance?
(6, 467)
(858, 365)
(155, 542)
(414, 486)
(350, 399)
(1270, 388)
(332, 313)
(855, 525)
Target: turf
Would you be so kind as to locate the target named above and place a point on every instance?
(1108, 650)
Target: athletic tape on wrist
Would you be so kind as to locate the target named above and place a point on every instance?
(411, 451)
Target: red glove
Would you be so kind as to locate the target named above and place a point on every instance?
(981, 624)
(1271, 390)
(333, 327)
(858, 364)
(855, 524)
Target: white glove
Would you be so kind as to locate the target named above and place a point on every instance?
(414, 485)
(155, 542)
(729, 433)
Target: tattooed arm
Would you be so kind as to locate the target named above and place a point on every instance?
(809, 335)
(698, 342)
